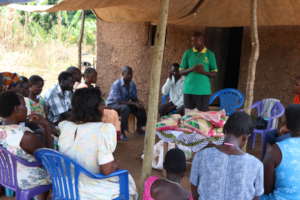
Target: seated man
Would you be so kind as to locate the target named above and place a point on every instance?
(58, 98)
(77, 75)
(173, 87)
(123, 98)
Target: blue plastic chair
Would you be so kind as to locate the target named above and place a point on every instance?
(164, 100)
(230, 100)
(8, 176)
(276, 111)
(64, 173)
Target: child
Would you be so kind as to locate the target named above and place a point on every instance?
(297, 90)
(35, 104)
(156, 188)
(226, 172)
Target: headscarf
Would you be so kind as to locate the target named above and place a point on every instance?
(9, 79)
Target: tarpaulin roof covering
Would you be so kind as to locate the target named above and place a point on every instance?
(216, 13)
(4, 2)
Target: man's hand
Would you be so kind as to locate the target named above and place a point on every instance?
(138, 104)
(199, 69)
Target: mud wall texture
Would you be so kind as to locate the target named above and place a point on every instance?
(278, 63)
(128, 44)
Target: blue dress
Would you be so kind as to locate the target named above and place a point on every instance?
(287, 182)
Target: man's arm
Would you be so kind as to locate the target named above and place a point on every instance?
(185, 72)
(165, 90)
(209, 74)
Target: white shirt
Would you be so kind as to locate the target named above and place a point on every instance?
(92, 144)
(174, 90)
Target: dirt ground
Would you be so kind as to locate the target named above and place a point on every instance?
(128, 155)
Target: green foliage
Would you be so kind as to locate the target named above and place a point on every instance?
(64, 25)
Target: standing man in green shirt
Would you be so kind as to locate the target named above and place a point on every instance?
(198, 66)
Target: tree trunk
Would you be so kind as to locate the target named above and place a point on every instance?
(80, 39)
(253, 58)
(157, 60)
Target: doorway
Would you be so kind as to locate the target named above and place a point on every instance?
(227, 45)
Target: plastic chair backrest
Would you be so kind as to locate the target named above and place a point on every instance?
(230, 99)
(64, 173)
(276, 111)
(164, 99)
(8, 177)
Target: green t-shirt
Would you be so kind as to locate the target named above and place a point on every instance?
(195, 83)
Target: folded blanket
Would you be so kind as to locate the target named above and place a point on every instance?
(209, 124)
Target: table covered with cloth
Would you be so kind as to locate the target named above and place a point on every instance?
(193, 130)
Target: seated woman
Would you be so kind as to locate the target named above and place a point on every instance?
(226, 172)
(91, 143)
(175, 166)
(21, 141)
(282, 169)
(109, 115)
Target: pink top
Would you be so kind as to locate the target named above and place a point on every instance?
(147, 188)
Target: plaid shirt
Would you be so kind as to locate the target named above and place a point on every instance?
(119, 92)
(57, 102)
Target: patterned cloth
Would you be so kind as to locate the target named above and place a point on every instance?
(28, 177)
(287, 174)
(220, 176)
(92, 145)
(194, 130)
(35, 107)
(57, 102)
(174, 90)
(119, 92)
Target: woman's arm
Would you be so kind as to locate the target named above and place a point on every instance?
(30, 142)
(109, 168)
(194, 190)
(48, 129)
(271, 161)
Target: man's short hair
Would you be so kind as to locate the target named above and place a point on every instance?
(64, 76)
(292, 114)
(198, 34)
(35, 79)
(126, 69)
(176, 65)
(89, 70)
(72, 69)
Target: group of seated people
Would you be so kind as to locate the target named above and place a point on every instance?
(76, 114)
(226, 172)
(30, 122)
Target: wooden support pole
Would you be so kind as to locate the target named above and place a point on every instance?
(81, 39)
(153, 100)
(253, 58)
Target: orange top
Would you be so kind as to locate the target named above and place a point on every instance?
(297, 99)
